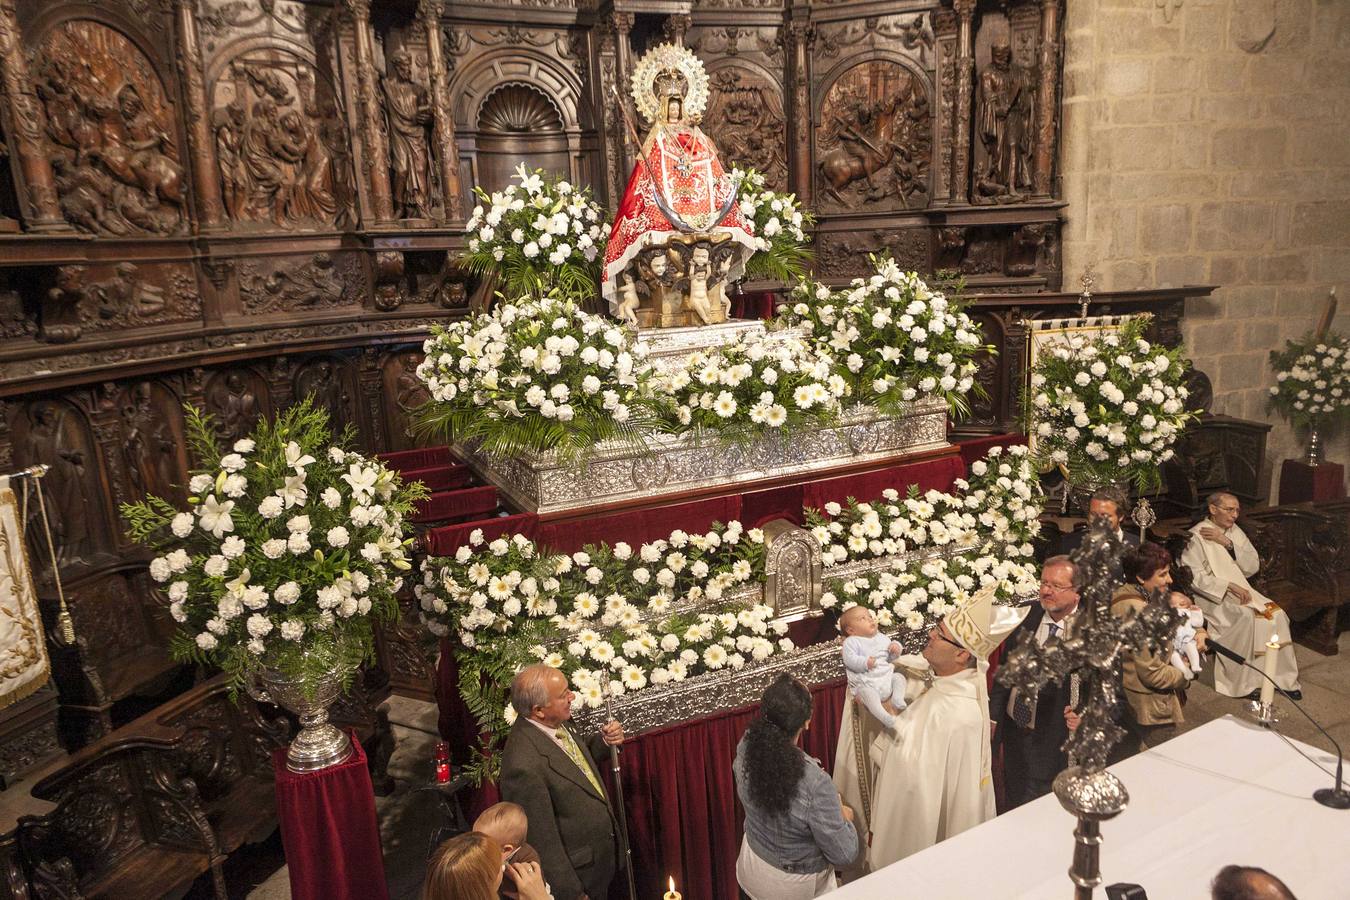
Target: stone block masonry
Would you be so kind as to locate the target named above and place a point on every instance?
(1208, 141)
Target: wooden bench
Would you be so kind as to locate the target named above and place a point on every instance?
(1303, 549)
(147, 809)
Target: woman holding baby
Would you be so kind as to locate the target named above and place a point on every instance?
(1154, 688)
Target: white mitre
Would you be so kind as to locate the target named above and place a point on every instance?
(980, 626)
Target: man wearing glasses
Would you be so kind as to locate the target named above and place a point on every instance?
(934, 777)
(1032, 728)
(1221, 559)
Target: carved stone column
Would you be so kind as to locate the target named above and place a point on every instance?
(944, 31)
(28, 142)
(202, 150)
(802, 35)
(611, 136)
(374, 140)
(965, 75)
(623, 43)
(1043, 166)
(429, 11)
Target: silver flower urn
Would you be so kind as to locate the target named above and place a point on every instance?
(318, 744)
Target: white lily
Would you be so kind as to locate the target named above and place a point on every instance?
(296, 458)
(215, 516)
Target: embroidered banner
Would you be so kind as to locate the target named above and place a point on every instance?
(24, 666)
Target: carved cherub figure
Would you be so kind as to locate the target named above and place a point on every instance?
(628, 300)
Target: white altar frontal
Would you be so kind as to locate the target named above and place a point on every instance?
(1227, 792)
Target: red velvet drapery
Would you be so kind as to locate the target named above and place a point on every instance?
(329, 831)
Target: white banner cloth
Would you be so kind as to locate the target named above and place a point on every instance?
(24, 666)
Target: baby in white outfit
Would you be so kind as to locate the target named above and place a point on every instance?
(1185, 652)
(868, 657)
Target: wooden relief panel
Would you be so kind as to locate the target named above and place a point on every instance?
(281, 143)
(332, 382)
(407, 393)
(236, 400)
(300, 283)
(56, 433)
(112, 133)
(874, 141)
(127, 295)
(153, 444)
(751, 131)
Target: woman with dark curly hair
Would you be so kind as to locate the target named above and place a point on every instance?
(1154, 689)
(797, 830)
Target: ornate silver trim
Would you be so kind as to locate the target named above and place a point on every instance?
(668, 347)
(615, 471)
(714, 692)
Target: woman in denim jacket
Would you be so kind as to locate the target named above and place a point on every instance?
(797, 831)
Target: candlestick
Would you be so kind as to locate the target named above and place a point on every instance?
(672, 894)
(1267, 685)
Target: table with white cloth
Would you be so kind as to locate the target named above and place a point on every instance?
(1226, 792)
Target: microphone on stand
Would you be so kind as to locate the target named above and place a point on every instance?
(1337, 797)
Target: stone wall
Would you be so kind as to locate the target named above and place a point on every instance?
(1208, 141)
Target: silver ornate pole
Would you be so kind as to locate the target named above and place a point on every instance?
(1144, 517)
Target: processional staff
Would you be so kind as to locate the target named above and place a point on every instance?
(32, 476)
(618, 793)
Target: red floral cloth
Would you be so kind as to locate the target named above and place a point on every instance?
(692, 184)
(329, 830)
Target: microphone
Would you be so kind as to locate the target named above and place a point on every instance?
(1335, 798)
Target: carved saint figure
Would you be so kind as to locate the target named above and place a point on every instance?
(69, 511)
(150, 444)
(230, 124)
(237, 409)
(1004, 127)
(325, 382)
(408, 107)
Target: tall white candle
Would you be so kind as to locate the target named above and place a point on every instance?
(1267, 685)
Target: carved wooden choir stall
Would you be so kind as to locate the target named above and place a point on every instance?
(233, 204)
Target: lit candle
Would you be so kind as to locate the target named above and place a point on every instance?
(1267, 684)
(672, 894)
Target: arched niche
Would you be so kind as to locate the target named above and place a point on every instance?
(498, 94)
(518, 124)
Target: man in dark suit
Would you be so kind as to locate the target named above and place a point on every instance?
(1111, 503)
(1031, 730)
(551, 773)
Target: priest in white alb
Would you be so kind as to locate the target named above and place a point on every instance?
(933, 776)
(1239, 617)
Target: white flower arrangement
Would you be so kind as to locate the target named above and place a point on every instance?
(779, 223)
(289, 553)
(986, 526)
(892, 337)
(506, 603)
(540, 234)
(540, 374)
(752, 387)
(1109, 409)
(1312, 381)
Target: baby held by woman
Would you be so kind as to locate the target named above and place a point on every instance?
(869, 658)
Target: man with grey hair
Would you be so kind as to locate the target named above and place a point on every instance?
(1032, 729)
(1221, 559)
(551, 773)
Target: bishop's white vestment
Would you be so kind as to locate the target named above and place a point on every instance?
(1236, 625)
(933, 778)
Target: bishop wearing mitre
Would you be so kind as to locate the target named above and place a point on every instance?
(933, 777)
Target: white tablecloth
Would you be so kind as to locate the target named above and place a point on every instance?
(1227, 792)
